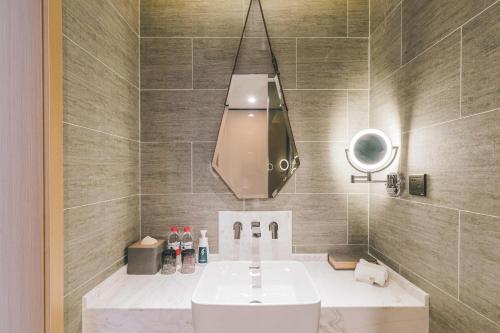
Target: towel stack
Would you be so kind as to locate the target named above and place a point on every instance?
(370, 273)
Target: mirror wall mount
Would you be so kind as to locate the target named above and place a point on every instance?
(371, 151)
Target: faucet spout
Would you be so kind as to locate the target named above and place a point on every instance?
(237, 226)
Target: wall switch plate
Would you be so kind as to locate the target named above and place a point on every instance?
(418, 184)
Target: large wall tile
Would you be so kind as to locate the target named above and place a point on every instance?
(384, 259)
(422, 93)
(358, 105)
(379, 10)
(73, 300)
(306, 18)
(447, 314)
(385, 230)
(332, 63)
(161, 212)
(165, 168)
(427, 21)
(358, 219)
(480, 263)
(95, 26)
(198, 18)
(481, 56)
(98, 167)
(318, 115)
(317, 219)
(255, 58)
(423, 238)
(97, 98)
(213, 62)
(205, 179)
(358, 18)
(385, 48)
(96, 236)
(181, 115)
(324, 169)
(311, 248)
(166, 63)
(461, 159)
(130, 11)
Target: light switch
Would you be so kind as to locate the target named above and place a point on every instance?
(418, 184)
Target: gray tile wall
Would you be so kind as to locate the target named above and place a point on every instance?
(101, 143)
(187, 54)
(435, 89)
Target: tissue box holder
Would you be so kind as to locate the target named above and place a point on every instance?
(145, 259)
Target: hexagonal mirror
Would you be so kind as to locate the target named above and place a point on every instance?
(255, 154)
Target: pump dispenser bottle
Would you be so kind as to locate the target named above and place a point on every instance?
(203, 248)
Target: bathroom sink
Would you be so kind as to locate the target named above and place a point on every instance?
(224, 300)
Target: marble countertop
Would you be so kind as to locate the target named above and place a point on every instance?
(337, 290)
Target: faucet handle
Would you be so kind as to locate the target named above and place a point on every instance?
(237, 226)
(273, 227)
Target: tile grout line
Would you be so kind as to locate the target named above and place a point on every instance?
(438, 288)
(93, 277)
(140, 133)
(282, 193)
(123, 18)
(369, 107)
(461, 71)
(392, 11)
(218, 89)
(248, 37)
(296, 63)
(347, 117)
(436, 206)
(192, 63)
(347, 19)
(192, 187)
(436, 42)
(180, 89)
(401, 34)
(347, 217)
(458, 259)
(443, 123)
(101, 132)
(203, 141)
(100, 61)
(101, 202)
(449, 295)
(452, 32)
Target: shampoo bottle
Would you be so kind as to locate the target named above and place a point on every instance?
(203, 248)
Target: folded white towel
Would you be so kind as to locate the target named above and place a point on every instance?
(370, 273)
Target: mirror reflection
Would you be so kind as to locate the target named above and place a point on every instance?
(255, 153)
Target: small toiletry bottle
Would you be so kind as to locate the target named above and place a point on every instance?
(174, 243)
(203, 248)
(186, 239)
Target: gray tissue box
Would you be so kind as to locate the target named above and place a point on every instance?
(145, 259)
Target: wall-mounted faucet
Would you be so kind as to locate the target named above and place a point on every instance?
(237, 226)
(273, 227)
(256, 233)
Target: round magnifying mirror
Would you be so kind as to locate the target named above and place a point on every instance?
(370, 150)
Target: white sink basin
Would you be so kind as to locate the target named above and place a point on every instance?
(225, 302)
